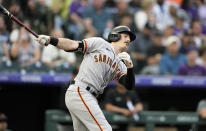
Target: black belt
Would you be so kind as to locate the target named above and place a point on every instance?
(88, 89)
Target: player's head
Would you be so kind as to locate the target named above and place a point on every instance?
(115, 34)
(121, 36)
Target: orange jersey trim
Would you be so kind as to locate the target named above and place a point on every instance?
(123, 73)
(85, 47)
(89, 110)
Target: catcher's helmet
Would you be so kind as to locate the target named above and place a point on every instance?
(114, 35)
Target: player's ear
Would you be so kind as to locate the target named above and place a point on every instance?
(114, 36)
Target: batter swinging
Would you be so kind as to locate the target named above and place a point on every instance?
(102, 63)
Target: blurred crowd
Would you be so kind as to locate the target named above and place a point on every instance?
(170, 33)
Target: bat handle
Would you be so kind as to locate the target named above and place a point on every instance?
(35, 34)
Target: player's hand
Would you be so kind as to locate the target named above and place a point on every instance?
(126, 112)
(126, 59)
(43, 40)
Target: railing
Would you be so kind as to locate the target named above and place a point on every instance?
(148, 118)
(141, 81)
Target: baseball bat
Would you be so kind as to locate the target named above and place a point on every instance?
(12, 17)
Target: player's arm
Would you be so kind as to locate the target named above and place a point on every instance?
(137, 108)
(113, 108)
(128, 80)
(61, 43)
(67, 44)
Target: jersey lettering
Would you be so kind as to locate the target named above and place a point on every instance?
(95, 58)
(110, 62)
(104, 58)
(113, 66)
(100, 57)
(107, 60)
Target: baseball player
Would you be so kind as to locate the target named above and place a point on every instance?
(103, 62)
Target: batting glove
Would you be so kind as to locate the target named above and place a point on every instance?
(126, 59)
(43, 40)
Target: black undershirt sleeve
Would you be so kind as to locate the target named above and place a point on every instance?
(128, 80)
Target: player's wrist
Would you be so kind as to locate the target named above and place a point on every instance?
(54, 41)
(130, 65)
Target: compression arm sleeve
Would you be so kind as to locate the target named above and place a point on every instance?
(79, 49)
(128, 80)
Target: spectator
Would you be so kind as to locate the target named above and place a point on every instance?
(187, 41)
(169, 30)
(172, 59)
(40, 15)
(140, 46)
(116, 101)
(4, 39)
(126, 19)
(198, 37)
(154, 54)
(61, 12)
(15, 34)
(45, 17)
(31, 13)
(157, 47)
(201, 13)
(173, 11)
(190, 8)
(26, 52)
(191, 68)
(202, 59)
(48, 3)
(76, 10)
(97, 19)
(110, 3)
(3, 122)
(61, 7)
(144, 15)
(15, 9)
(54, 57)
(201, 110)
(162, 14)
(180, 20)
(134, 5)
(122, 8)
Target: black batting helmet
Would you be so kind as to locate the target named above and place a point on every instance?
(114, 35)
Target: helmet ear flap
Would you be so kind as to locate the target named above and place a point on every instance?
(114, 36)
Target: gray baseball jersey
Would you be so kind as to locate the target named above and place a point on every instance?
(100, 65)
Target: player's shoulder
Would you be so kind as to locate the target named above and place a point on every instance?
(97, 40)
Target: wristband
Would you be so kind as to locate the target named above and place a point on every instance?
(54, 41)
